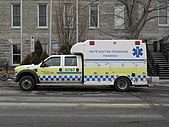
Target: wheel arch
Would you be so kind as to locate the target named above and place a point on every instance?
(123, 77)
(27, 73)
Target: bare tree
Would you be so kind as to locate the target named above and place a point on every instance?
(65, 20)
(136, 14)
(139, 12)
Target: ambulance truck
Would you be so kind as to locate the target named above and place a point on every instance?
(117, 63)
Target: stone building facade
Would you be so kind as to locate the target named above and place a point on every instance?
(20, 20)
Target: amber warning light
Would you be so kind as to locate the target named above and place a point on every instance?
(91, 42)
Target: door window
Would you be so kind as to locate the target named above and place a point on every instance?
(70, 61)
(54, 61)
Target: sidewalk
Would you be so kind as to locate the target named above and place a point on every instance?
(11, 83)
(163, 82)
(8, 83)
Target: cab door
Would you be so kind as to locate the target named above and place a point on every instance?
(72, 69)
(50, 69)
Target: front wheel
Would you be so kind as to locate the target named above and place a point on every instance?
(27, 83)
(122, 84)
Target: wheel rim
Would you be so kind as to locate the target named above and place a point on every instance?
(4, 76)
(122, 84)
(26, 84)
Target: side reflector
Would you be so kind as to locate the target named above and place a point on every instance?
(137, 42)
(35, 70)
(91, 42)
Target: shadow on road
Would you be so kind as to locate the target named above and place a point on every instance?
(86, 89)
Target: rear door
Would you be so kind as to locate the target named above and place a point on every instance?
(72, 69)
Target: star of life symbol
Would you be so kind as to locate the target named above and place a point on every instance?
(137, 52)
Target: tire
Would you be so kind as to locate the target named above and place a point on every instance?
(4, 76)
(27, 83)
(122, 84)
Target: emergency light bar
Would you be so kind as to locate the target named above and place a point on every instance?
(137, 42)
(91, 42)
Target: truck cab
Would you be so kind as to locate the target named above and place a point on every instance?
(54, 69)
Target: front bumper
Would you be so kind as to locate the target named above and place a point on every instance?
(15, 78)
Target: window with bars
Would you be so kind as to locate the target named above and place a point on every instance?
(16, 54)
(68, 15)
(16, 15)
(119, 17)
(163, 13)
(94, 15)
(42, 15)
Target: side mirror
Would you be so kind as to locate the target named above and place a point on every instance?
(42, 65)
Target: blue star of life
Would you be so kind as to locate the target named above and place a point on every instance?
(137, 52)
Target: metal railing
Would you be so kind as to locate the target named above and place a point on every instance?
(164, 47)
(153, 68)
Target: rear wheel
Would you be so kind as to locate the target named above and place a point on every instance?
(122, 84)
(27, 83)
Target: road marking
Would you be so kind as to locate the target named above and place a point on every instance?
(41, 104)
(165, 105)
(67, 115)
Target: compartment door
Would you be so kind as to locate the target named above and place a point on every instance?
(104, 73)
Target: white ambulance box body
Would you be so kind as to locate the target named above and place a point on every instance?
(106, 60)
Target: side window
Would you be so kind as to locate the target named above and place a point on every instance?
(70, 61)
(55, 61)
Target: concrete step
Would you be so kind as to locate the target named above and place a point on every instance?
(158, 58)
(161, 62)
(164, 78)
(162, 59)
(164, 75)
(163, 66)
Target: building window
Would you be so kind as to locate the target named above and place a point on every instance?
(94, 15)
(16, 54)
(55, 46)
(163, 13)
(16, 15)
(42, 15)
(45, 47)
(68, 15)
(119, 17)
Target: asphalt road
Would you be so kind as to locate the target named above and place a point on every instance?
(83, 106)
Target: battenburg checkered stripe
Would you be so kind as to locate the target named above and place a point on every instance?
(60, 78)
(112, 78)
(89, 78)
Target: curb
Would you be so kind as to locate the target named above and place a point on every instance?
(10, 82)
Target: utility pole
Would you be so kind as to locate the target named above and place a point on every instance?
(77, 21)
(50, 31)
(21, 29)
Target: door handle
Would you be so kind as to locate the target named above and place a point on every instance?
(77, 69)
(60, 69)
